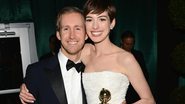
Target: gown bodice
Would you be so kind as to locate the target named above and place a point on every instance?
(116, 83)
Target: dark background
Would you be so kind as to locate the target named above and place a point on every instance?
(168, 38)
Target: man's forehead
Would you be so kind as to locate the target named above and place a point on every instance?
(69, 23)
(72, 18)
(73, 13)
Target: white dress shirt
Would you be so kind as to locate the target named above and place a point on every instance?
(72, 81)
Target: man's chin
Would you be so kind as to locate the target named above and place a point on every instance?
(74, 52)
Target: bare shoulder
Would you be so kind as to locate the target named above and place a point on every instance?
(125, 57)
(126, 62)
(89, 46)
(86, 51)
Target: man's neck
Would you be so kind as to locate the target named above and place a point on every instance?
(73, 57)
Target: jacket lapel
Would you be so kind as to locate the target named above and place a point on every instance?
(83, 92)
(56, 80)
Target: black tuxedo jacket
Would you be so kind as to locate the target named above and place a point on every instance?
(44, 80)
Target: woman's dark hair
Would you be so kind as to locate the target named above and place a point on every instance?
(99, 6)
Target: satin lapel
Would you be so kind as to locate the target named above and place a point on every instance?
(55, 77)
(83, 92)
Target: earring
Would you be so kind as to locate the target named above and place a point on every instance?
(111, 27)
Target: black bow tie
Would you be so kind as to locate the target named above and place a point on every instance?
(79, 66)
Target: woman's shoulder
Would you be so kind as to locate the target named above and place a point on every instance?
(89, 46)
(125, 57)
(87, 51)
(121, 53)
(127, 60)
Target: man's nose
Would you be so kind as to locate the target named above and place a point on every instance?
(72, 34)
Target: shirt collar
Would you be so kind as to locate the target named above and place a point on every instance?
(64, 58)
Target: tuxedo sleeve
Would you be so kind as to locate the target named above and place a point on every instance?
(32, 80)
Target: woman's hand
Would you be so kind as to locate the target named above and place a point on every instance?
(145, 101)
(124, 102)
(25, 96)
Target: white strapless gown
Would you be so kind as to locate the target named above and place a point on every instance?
(116, 83)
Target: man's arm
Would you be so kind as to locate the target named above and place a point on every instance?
(25, 96)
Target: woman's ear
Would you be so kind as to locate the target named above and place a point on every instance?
(113, 23)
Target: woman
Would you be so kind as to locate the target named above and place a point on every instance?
(108, 66)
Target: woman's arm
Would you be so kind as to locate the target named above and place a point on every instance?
(86, 52)
(137, 79)
(25, 96)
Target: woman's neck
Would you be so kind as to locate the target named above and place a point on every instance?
(104, 47)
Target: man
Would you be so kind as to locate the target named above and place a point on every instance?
(49, 80)
(128, 41)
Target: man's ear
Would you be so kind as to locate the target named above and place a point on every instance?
(58, 35)
(86, 36)
(113, 23)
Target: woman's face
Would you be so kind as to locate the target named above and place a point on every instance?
(98, 26)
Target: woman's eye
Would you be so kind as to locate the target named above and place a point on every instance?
(102, 19)
(88, 20)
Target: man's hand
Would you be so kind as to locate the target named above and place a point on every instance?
(25, 96)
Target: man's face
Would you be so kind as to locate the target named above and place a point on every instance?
(72, 33)
(128, 43)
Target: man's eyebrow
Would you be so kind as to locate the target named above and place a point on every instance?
(78, 26)
(74, 26)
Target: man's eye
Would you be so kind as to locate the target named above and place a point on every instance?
(78, 29)
(65, 29)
